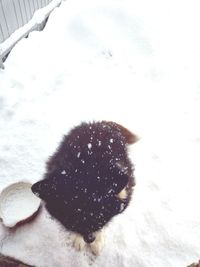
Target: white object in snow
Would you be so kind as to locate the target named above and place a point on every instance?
(18, 204)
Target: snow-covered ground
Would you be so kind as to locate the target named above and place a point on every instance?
(133, 62)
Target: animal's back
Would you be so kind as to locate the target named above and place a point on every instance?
(92, 144)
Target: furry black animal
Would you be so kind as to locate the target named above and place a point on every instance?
(85, 175)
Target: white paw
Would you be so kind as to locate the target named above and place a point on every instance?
(78, 242)
(98, 243)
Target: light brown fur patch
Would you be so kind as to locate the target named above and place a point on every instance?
(122, 194)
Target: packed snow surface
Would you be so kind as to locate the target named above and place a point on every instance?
(133, 62)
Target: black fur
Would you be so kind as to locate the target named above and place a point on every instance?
(84, 176)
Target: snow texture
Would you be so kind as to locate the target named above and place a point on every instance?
(17, 203)
(133, 62)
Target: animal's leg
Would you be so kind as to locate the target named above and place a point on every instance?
(98, 243)
(78, 242)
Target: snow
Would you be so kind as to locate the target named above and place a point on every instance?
(17, 203)
(36, 22)
(89, 146)
(133, 62)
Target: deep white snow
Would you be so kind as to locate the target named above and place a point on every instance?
(134, 62)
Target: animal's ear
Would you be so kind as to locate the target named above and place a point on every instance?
(40, 188)
(130, 137)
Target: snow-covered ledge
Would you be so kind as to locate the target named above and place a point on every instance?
(1, 62)
(38, 18)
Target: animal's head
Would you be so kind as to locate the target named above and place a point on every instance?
(83, 208)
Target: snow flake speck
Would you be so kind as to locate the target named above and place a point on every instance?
(111, 140)
(89, 146)
(110, 191)
(99, 143)
(78, 155)
(101, 215)
(122, 207)
(99, 199)
(63, 172)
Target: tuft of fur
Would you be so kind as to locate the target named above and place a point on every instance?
(86, 175)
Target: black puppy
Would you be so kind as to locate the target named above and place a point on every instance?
(90, 178)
